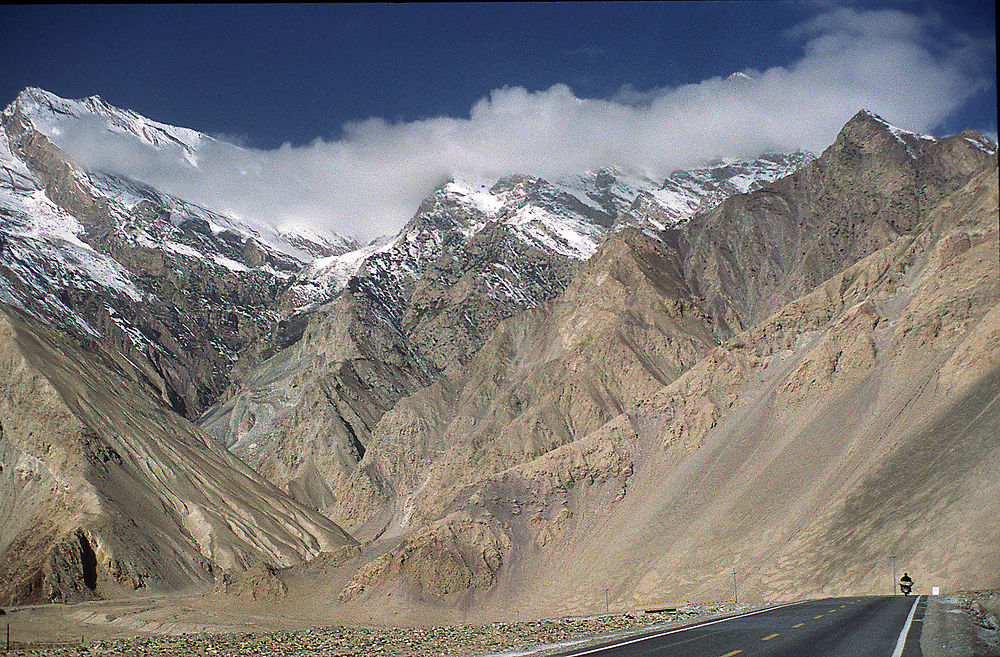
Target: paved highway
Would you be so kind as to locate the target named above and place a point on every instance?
(834, 627)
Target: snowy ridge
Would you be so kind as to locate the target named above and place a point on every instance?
(322, 279)
(106, 257)
(568, 217)
(40, 246)
(687, 192)
(611, 190)
(519, 231)
(297, 245)
(52, 116)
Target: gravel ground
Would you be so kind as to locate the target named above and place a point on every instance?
(528, 637)
(962, 625)
(958, 625)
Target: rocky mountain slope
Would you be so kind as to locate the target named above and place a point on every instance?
(425, 302)
(756, 252)
(614, 427)
(855, 423)
(631, 321)
(178, 290)
(105, 491)
(104, 277)
(535, 392)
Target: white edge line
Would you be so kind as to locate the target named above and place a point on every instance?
(680, 629)
(901, 641)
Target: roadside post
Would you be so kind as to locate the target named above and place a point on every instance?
(892, 583)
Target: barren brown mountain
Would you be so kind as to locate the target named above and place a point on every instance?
(854, 424)
(105, 492)
(789, 393)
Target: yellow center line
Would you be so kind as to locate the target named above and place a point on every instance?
(768, 638)
(831, 611)
(799, 625)
(730, 654)
(820, 616)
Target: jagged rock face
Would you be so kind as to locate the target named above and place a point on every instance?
(103, 491)
(457, 554)
(870, 461)
(523, 394)
(416, 308)
(178, 290)
(463, 295)
(421, 305)
(756, 252)
(259, 582)
(821, 358)
(686, 193)
(626, 325)
(629, 323)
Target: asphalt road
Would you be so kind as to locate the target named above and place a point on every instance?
(834, 627)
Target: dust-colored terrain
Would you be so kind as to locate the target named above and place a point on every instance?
(851, 432)
(106, 493)
(963, 624)
(206, 625)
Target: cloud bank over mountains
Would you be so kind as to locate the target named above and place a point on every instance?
(911, 69)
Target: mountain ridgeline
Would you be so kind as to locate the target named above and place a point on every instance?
(537, 394)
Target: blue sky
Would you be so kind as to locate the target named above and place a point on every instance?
(271, 74)
(417, 93)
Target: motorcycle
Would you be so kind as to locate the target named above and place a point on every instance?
(905, 588)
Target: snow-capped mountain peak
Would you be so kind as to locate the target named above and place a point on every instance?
(101, 254)
(55, 117)
(689, 191)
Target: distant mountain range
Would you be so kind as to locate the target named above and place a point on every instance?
(536, 389)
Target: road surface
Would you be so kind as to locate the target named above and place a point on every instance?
(834, 627)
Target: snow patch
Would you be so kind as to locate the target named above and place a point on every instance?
(229, 264)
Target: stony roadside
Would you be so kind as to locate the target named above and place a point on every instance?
(983, 611)
(962, 624)
(455, 640)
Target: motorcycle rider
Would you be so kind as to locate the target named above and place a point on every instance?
(905, 584)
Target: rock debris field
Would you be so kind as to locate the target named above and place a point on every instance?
(536, 638)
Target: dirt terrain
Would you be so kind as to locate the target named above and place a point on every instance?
(962, 624)
(202, 624)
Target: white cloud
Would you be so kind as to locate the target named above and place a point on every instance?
(370, 182)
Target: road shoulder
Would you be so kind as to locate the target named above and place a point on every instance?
(951, 629)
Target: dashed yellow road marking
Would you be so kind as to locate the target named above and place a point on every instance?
(820, 616)
(831, 611)
(799, 625)
(769, 637)
(730, 654)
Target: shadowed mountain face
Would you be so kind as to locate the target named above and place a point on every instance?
(420, 308)
(536, 391)
(178, 290)
(105, 491)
